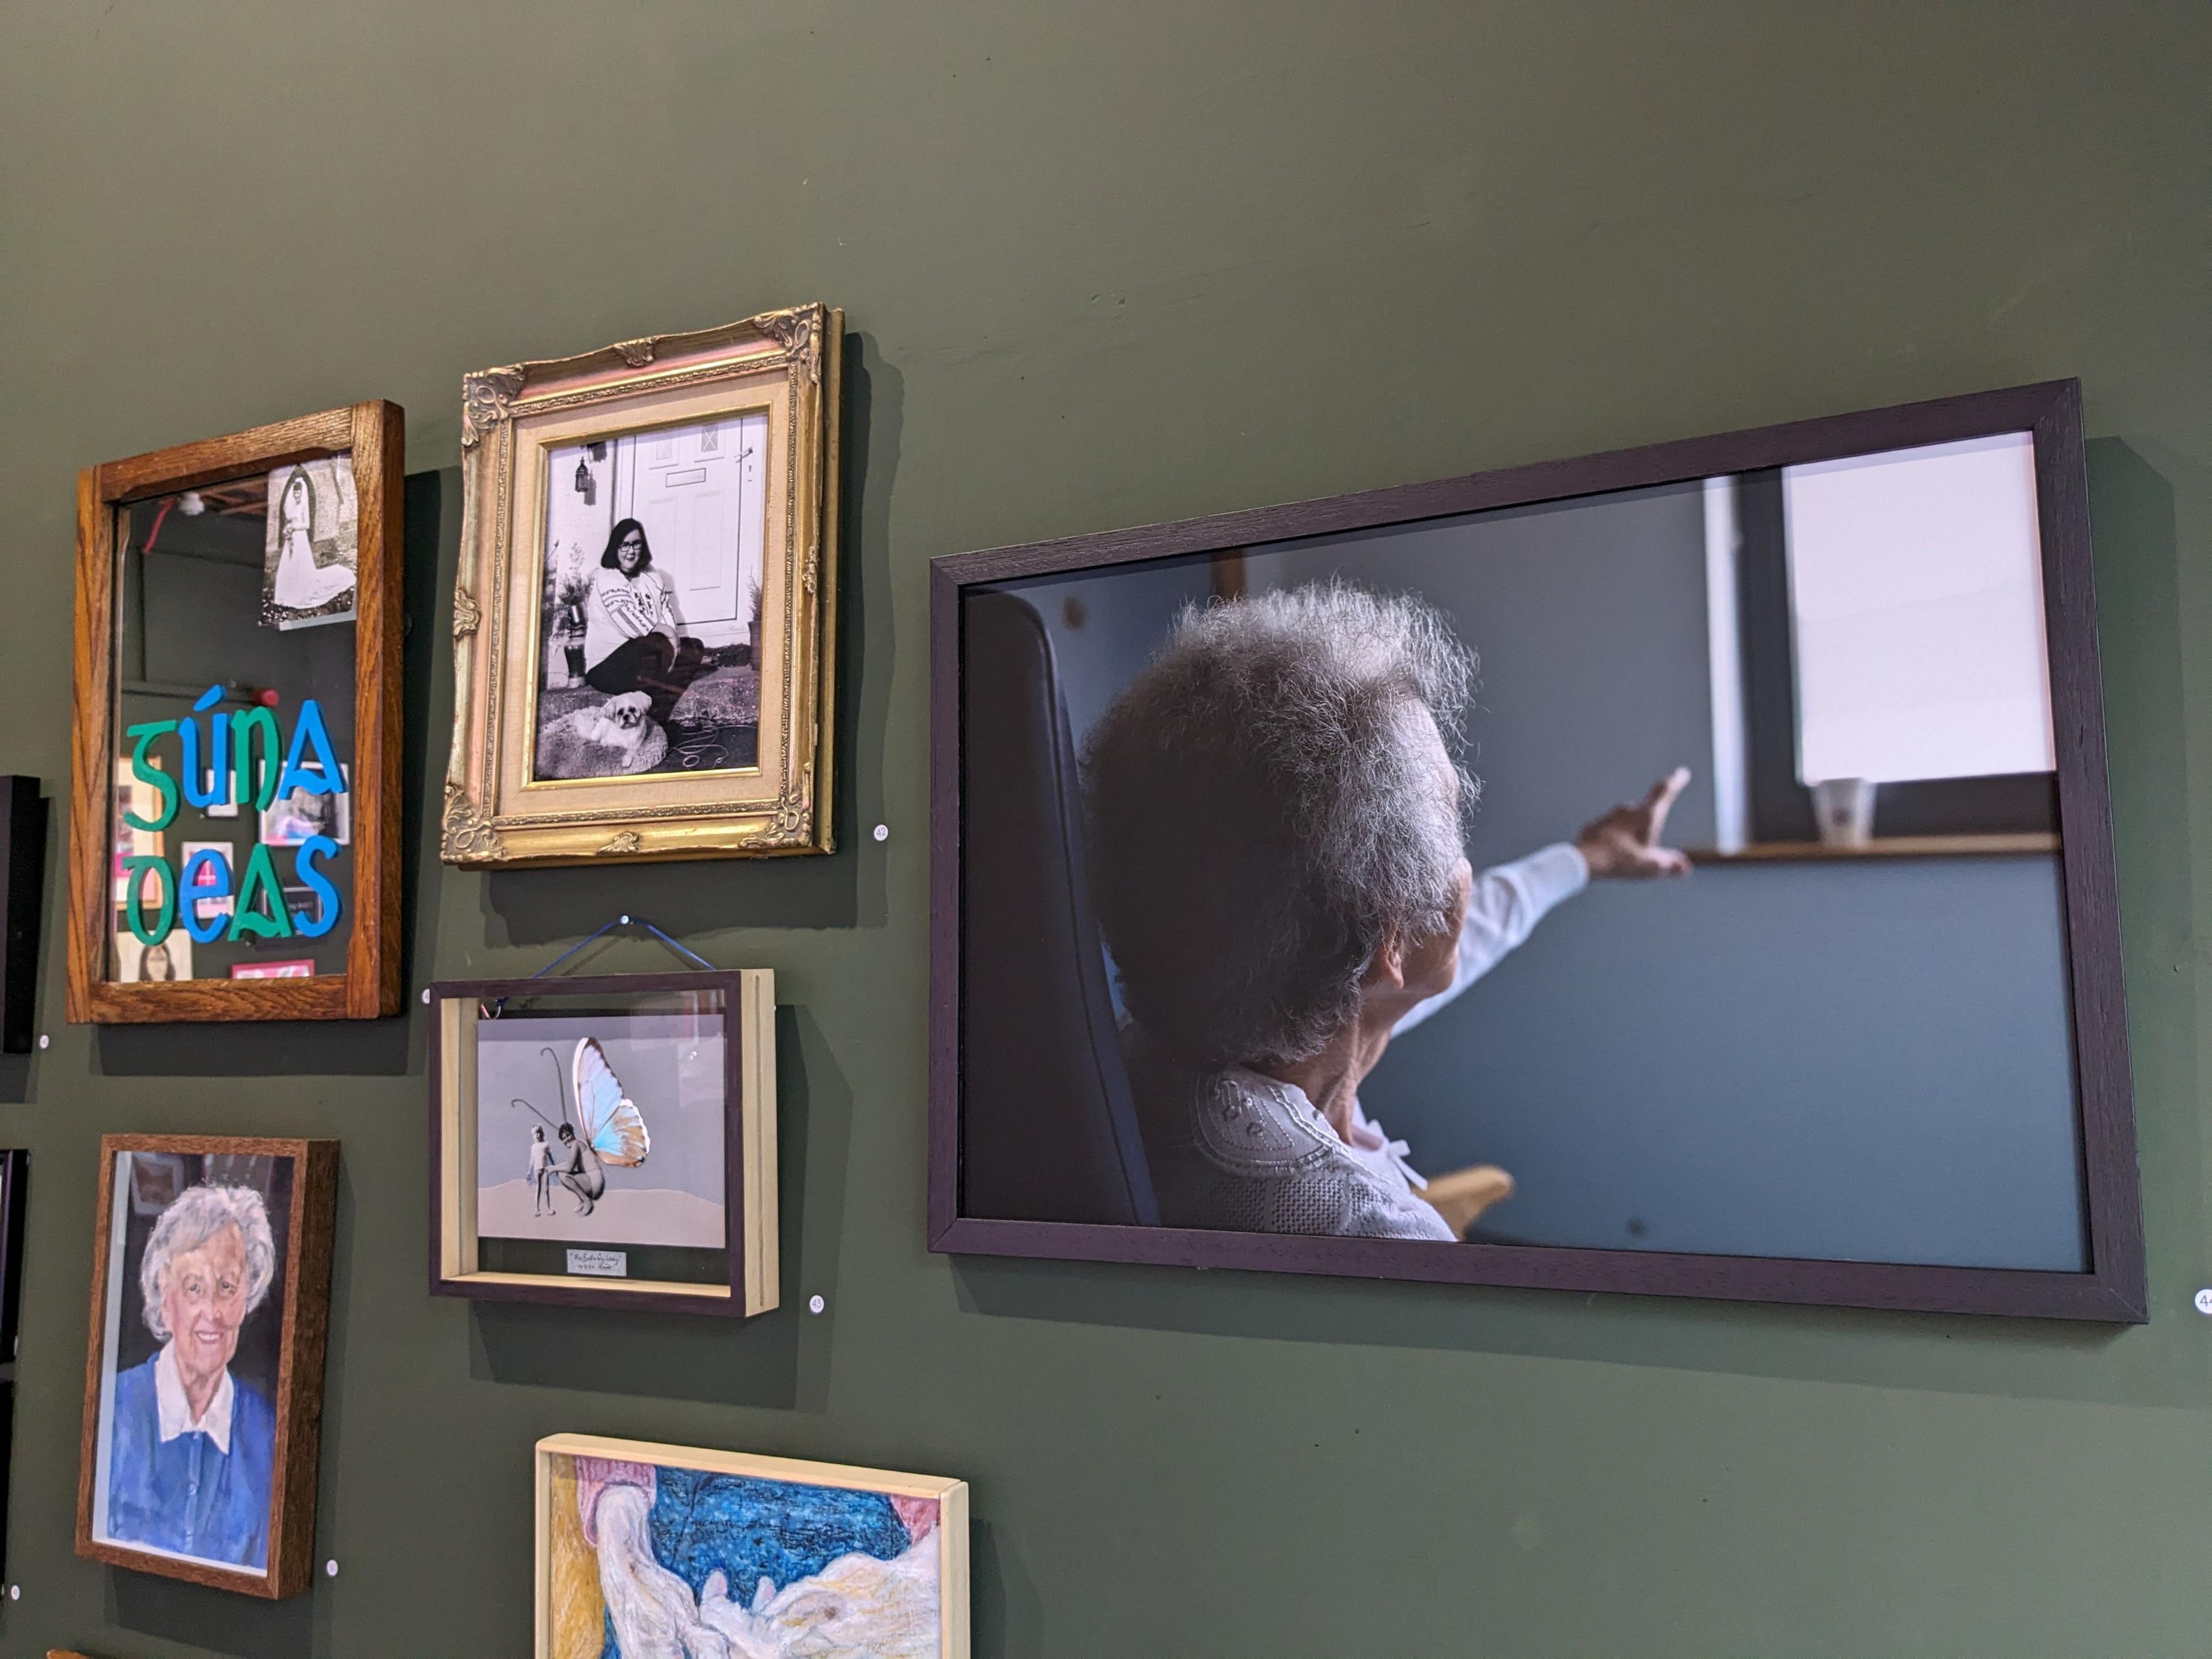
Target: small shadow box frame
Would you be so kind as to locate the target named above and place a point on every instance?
(631, 1116)
(233, 726)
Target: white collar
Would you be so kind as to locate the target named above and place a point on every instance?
(1369, 1144)
(177, 1412)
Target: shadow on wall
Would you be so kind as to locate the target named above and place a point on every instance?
(2139, 612)
(777, 1361)
(169, 1610)
(433, 543)
(1009, 1614)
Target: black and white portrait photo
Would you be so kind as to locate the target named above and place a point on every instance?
(299, 814)
(650, 621)
(310, 554)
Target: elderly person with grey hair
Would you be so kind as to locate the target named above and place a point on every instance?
(192, 1450)
(1278, 864)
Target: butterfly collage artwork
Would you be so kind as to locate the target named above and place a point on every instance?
(564, 1149)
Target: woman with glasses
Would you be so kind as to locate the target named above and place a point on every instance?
(630, 642)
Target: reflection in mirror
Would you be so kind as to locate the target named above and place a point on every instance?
(1675, 869)
(234, 728)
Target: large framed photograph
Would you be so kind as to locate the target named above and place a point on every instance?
(237, 727)
(607, 1142)
(650, 1549)
(204, 1383)
(645, 619)
(1685, 870)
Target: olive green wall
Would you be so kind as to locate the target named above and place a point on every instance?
(1103, 266)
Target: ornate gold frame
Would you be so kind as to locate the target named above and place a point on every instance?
(784, 362)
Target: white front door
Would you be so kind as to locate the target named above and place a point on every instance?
(697, 491)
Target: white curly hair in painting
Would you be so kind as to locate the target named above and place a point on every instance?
(198, 1216)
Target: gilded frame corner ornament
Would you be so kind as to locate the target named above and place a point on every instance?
(784, 364)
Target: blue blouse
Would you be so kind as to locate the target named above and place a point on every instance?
(183, 1495)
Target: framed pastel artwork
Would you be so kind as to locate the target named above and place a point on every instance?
(203, 1377)
(606, 1141)
(645, 619)
(647, 1550)
(234, 770)
(1685, 871)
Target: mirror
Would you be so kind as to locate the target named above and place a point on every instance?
(234, 728)
(235, 784)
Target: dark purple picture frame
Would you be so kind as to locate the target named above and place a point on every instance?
(582, 1294)
(2112, 1290)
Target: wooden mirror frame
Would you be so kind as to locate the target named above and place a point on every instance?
(2112, 1289)
(375, 434)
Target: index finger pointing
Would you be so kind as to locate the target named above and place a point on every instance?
(1661, 800)
(1663, 793)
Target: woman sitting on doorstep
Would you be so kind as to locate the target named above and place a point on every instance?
(1276, 836)
(630, 642)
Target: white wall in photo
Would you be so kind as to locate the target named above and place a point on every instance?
(1916, 589)
(700, 492)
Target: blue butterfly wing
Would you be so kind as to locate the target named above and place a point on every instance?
(611, 1124)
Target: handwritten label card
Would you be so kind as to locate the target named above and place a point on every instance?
(600, 1264)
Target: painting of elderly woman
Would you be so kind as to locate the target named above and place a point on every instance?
(197, 1297)
(1463, 880)
(650, 612)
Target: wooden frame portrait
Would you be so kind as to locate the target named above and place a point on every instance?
(203, 1374)
(606, 1141)
(226, 640)
(645, 619)
(1838, 995)
(773, 1554)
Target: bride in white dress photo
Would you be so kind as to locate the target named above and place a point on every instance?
(309, 566)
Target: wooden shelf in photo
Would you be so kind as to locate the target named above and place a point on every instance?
(1883, 847)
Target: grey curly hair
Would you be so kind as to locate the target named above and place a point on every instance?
(198, 1216)
(1266, 811)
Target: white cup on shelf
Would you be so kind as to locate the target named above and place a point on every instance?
(1844, 810)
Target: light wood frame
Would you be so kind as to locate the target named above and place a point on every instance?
(2112, 1289)
(298, 1400)
(951, 1496)
(496, 812)
(375, 434)
(749, 1150)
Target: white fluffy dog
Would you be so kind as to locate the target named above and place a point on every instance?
(617, 738)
